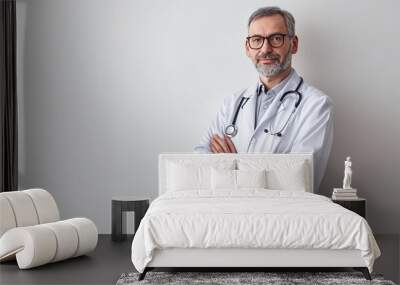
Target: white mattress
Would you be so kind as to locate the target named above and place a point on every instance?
(251, 218)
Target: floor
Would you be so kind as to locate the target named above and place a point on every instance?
(102, 266)
(111, 259)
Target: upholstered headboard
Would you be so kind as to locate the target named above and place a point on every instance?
(165, 160)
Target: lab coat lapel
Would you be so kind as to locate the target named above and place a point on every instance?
(247, 124)
(250, 114)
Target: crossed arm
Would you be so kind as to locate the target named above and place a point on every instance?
(222, 145)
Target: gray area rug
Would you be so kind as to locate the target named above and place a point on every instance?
(273, 278)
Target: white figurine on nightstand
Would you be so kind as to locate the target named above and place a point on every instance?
(347, 192)
(347, 174)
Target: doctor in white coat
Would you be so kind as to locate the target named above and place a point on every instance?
(260, 118)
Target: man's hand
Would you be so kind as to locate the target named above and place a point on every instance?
(220, 145)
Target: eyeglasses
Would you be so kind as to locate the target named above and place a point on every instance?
(275, 40)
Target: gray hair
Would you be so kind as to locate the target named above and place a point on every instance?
(270, 11)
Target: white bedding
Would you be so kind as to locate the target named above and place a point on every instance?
(250, 218)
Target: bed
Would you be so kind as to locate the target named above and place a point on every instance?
(245, 211)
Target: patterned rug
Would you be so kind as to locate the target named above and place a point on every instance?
(270, 278)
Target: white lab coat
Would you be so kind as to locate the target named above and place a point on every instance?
(309, 130)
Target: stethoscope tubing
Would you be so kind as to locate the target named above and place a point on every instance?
(231, 130)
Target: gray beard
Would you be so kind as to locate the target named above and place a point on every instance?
(274, 69)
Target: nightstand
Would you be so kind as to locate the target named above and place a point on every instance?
(357, 205)
(121, 204)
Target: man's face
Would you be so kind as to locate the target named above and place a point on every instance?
(271, 61)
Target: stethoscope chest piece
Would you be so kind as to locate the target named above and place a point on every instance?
(231, 131)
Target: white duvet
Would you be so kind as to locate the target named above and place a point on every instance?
(251, 218)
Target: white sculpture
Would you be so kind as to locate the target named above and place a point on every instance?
(347, 174)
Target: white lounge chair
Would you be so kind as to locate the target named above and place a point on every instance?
(32, 233)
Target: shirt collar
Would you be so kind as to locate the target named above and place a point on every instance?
(277, 88)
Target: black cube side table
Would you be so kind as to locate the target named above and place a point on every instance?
(357, 205)
(121, 204)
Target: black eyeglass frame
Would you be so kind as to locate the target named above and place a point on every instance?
(268, 39)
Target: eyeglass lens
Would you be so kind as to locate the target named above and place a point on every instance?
(274, 40)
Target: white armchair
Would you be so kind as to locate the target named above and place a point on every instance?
(31, 230)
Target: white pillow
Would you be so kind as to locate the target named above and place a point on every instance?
(237, 179)
(292, 178)
(223, 179)
(187, 174)
(281, 174)
(185, 177)
(251, 178)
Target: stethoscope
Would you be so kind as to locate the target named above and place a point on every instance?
(231, 130)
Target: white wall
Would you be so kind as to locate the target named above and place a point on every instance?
(105, 86)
